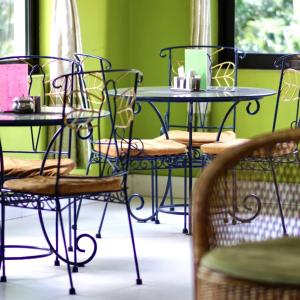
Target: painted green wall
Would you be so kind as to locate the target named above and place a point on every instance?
(131, 33)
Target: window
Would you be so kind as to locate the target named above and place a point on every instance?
(18, 27)
(265, 29)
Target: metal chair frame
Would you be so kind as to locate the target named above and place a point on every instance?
(77, 119)
(144, 163)
(38, 65)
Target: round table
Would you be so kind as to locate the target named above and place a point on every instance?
(10, 119)
(46, 119)
(213, 94)
(165, 94)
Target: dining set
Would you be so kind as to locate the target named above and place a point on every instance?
(86, 120)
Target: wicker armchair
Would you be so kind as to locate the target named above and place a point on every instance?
(245, 217)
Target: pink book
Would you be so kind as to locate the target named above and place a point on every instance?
(13, 83)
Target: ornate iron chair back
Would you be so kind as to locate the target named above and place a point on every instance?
(39, 78)
(222, 72)
(110, 118)
(287, 101)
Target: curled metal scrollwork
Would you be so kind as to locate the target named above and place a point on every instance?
(256, 109)
(137, 108)
(88, 130)
(140, 207)
(246, 205)
(56, 252)
(85, 235)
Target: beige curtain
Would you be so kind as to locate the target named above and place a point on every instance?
(200, 22)
(66, 40)
(201, 34)
(65, 33)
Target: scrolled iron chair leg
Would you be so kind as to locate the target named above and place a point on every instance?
(72, 289)
(2, 246)
(98, 234)
(75, 266)
(56, 261)
(70, 247)
(156, 195)
(186, 214)
(139, 279)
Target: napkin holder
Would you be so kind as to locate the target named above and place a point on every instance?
(186, 82)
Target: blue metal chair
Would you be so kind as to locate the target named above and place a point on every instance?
(110, 118)
(286, 113)
(39, 85)
(222, 73)
(149, 155)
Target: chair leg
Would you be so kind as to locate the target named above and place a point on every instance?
(80, 201)
(74, 227)
(70, 248)
(138, 280)
(98, 234)
(152, 195)
(156, 195)
(172, 207)
(59, 214)
(186, 213)
(2, 246)
(56, 261)
(278, 198)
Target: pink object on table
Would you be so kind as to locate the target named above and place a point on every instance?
(13, 83)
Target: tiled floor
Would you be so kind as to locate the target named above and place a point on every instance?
(164, 256)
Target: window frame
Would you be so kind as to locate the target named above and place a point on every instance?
(226, 24)
(32, 27)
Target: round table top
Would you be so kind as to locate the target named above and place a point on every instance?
(44, 119)
(213, 94)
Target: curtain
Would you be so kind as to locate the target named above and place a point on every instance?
(201, 35)
(65, 41)
(200, 22)
(65, 33)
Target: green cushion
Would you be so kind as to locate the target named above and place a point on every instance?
(273, 261)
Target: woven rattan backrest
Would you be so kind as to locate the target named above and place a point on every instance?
(235, 200)
(221, 65)
(108, 117)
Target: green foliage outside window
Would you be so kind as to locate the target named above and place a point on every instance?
(267, 26)
(6, 27)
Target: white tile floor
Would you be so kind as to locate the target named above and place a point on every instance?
(164, 256)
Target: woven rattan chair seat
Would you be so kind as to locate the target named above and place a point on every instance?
(198, 138)
(16, 167)
(144, 147)
(219, 147)
(45, 185)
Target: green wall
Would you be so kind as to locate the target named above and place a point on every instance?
(131, 33)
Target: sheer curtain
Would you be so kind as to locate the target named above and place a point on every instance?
(200, 22)
(65, 33)
(66, 40)
(201, 35)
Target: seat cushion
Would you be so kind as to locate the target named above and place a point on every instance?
(198, 138)
(218, 147)
(45, 185)
(144, 147)
(17, 167)
(279, 149)
(273, 261)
